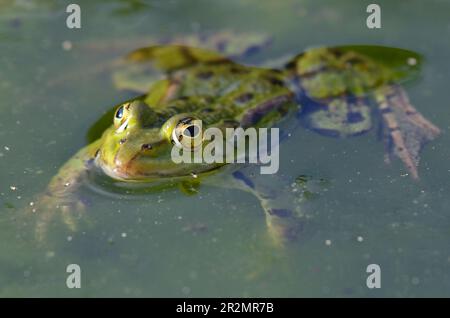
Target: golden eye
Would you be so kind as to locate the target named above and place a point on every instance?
(187, 134)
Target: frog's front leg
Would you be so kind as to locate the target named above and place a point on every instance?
(60, 197)
(284, 203)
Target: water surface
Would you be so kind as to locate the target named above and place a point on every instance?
(148, 246)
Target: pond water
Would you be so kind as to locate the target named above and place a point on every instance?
(215, 243)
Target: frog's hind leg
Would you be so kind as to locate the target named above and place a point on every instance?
(405, 130)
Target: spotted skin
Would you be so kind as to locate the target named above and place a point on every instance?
(337, 87)
(329, 89)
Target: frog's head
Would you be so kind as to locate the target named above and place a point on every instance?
(139, 145)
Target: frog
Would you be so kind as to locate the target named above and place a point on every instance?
(336, 91)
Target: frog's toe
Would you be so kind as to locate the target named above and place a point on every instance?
(49, 209)
(406, 131)
(71, 215)
(283, 226)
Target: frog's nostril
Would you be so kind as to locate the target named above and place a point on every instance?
(146, 147)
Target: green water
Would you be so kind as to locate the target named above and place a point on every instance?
(146, 247)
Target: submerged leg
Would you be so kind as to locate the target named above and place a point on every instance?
(60, 196)
(136, 77)
(405, 130)
(285, 204)
(226, 42)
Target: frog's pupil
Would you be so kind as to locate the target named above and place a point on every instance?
(191, 131)
(119, 113)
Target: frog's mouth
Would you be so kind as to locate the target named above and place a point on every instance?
(155, 170)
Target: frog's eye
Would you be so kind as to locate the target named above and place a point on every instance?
(119, 113)
(187, 133)
(120, 117)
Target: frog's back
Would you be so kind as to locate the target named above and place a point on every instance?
(227, 91)
(206, 82)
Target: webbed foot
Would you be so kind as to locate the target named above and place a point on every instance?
(48, 209)
(405, 130)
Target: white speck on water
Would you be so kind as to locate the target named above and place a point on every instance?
(7, 148)
(360, 239)
(13, 188)
(328, 242)
(124, 235)
(412, 61)
(186, 290)
(69, 238)
(194, 175)
(67, 184)
(66, 45)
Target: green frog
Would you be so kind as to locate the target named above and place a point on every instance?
(335, 91)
